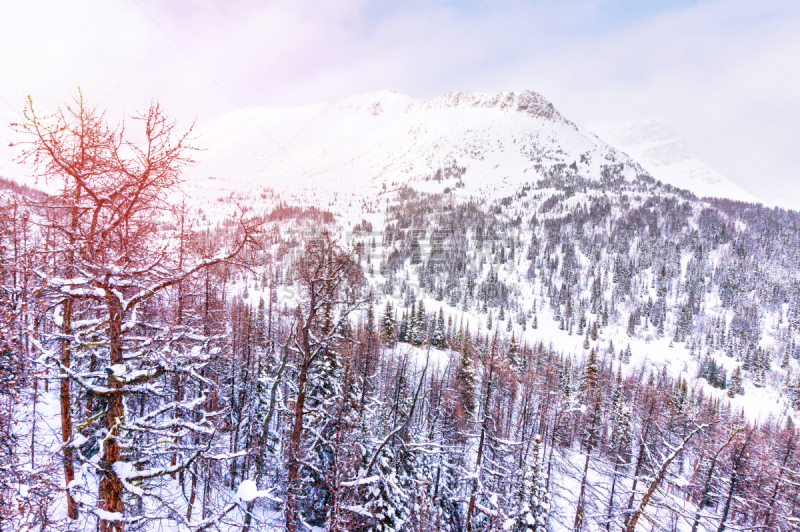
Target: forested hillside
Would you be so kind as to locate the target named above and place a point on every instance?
(585, 353)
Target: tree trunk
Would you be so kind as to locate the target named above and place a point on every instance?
(582, 495)
(484, 427)
(611, 496)
(66, 415)
(192, 495)
(737, 462)
(110, 485)
(709, 477)
(789, 448)
(293, 475)
(66, 355)
(631, 526)
(589, 447)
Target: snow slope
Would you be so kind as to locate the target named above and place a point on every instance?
(363, 142)
(340, 157)
(664, 155)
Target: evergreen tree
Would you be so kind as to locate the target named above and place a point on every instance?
(388, 323)
(450, 333)
(420, 334)
(387, 499)
(513, 353)
(412, 334)
(402, 333)
(438, 337)
(532, 501)
(465, 377)
(590, 375)
(632, 324)
(736, 386)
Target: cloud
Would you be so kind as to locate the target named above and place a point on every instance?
(721, 73)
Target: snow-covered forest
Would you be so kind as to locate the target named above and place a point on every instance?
(592, 350)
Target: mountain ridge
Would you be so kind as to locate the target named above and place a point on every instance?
(367, 141)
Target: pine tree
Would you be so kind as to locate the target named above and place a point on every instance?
(632, 324)
(736, 387)
(566, 378)
(402, 333)
(489, 321)
(411, 325)
(532, 501)
(387, 499)
(450, 332)
(617, 402)
(420, 334)
(513, 352)
(438, 338)
(466, 377)
(388, 323)
(590, 375)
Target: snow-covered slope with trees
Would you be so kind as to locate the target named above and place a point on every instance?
(465, 313)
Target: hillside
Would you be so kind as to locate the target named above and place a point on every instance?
(466, 313)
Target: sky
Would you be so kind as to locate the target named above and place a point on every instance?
(724, 75)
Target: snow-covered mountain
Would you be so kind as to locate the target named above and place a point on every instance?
(487, 143)
(664, 155)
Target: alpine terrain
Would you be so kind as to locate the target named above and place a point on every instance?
(462, 314)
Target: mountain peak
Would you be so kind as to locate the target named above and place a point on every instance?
(529, 102)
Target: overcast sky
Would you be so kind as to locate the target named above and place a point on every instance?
(724, 75)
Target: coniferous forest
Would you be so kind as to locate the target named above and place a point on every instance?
(284, 369)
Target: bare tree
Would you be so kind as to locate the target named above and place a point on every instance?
(331, 284)
(114, 260)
